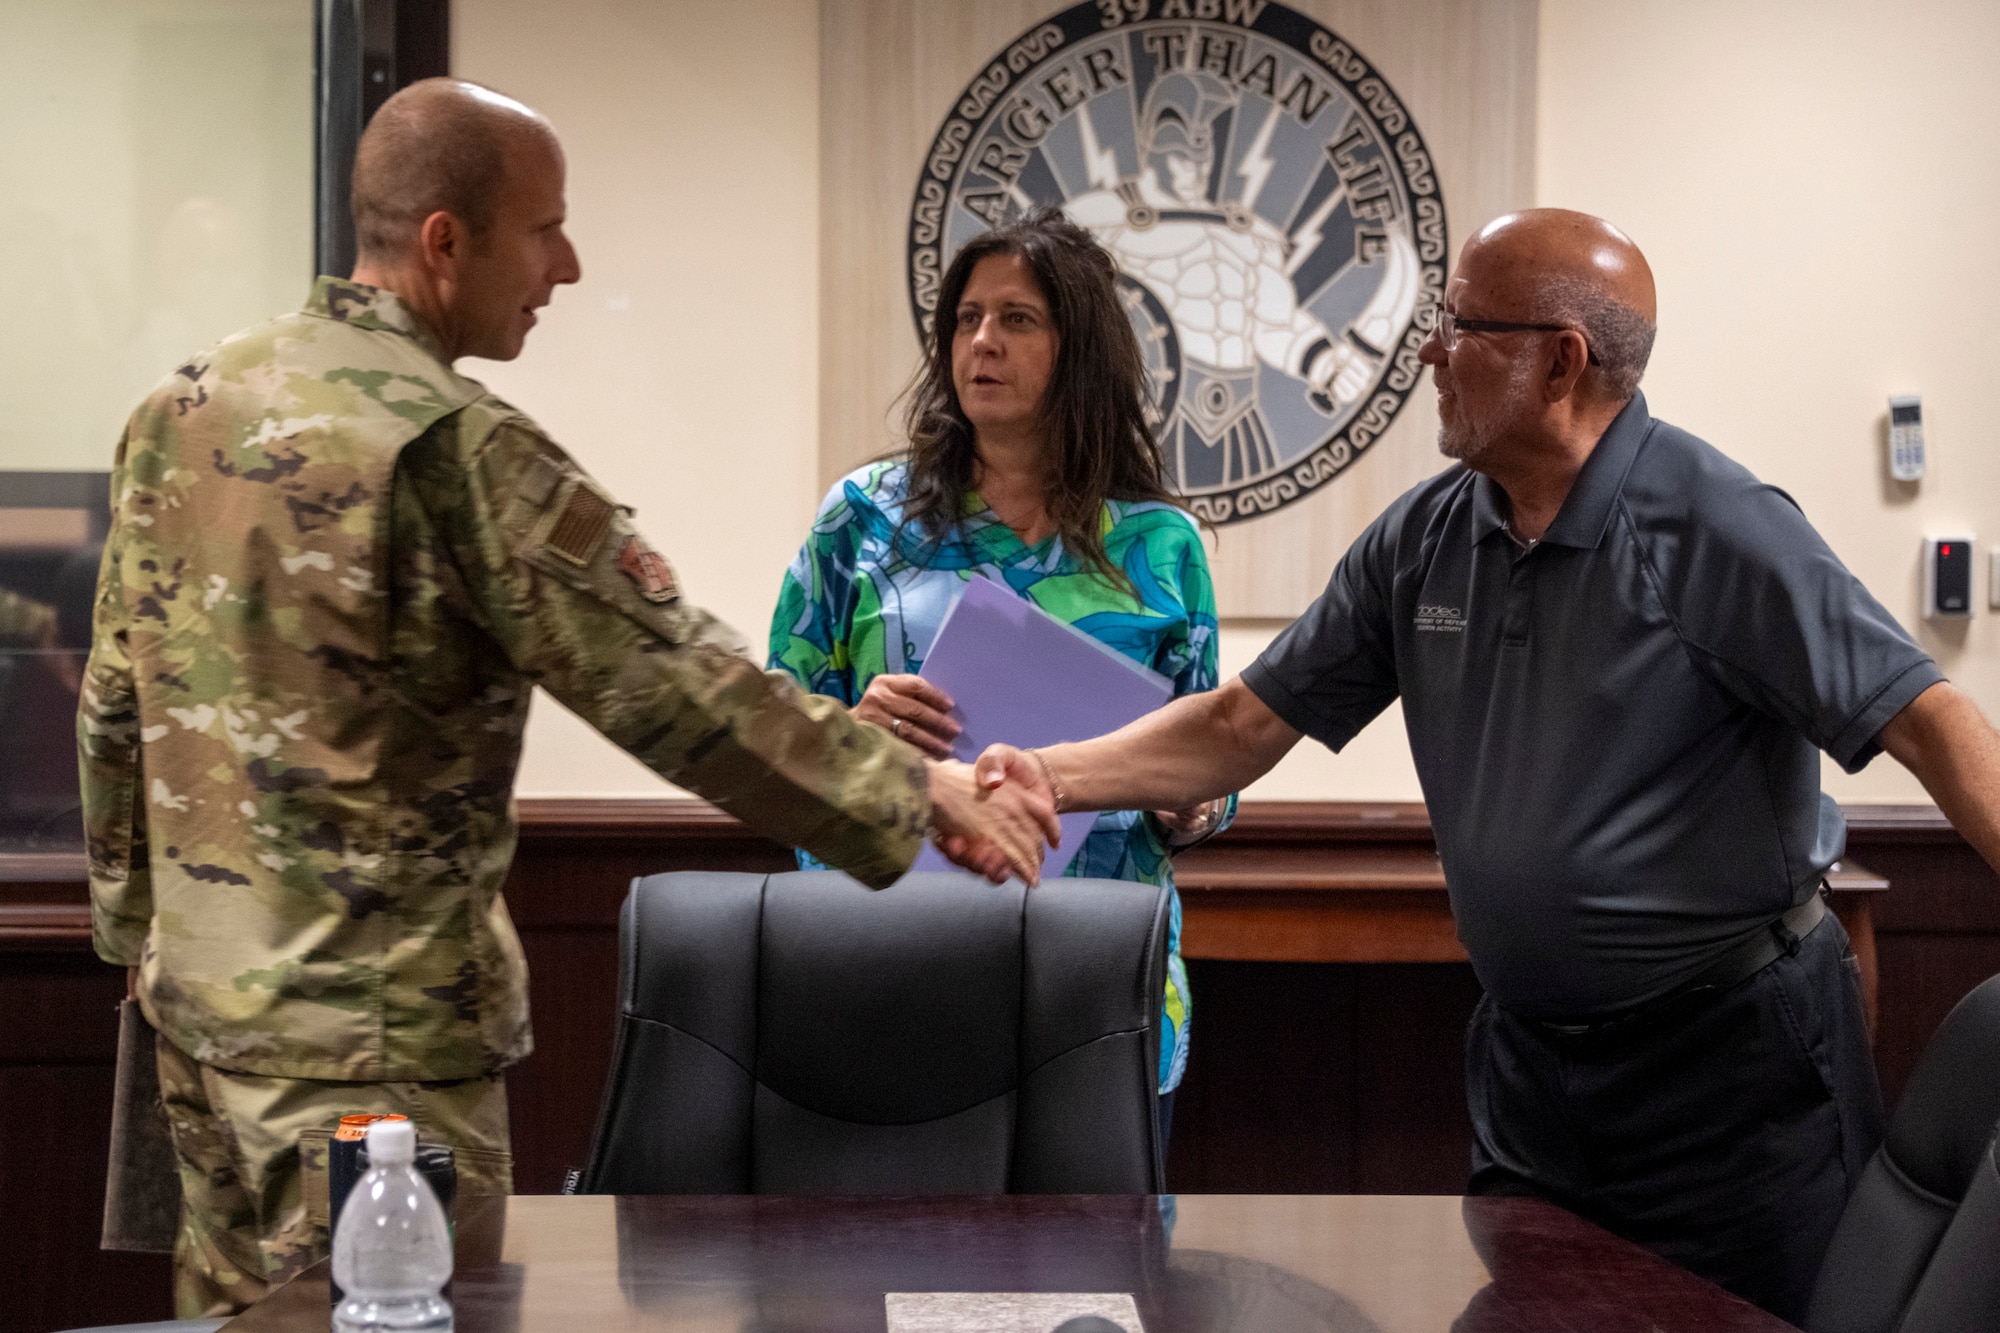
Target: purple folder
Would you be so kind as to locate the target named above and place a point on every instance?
(1019, 675)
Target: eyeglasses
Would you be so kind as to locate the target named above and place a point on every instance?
(1449, 326)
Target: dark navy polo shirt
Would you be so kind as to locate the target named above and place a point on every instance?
(1618, 732)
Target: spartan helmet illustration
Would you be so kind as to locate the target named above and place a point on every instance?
(1177, 127)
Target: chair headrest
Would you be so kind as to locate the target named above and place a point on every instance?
(889, 1006)
(897, 1005)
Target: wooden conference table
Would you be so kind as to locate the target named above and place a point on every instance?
(1192, 1264)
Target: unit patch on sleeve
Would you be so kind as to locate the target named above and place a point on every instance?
(648, 569)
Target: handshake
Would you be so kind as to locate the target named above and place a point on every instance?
(995, 817)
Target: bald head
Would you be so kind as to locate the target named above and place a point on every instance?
(439, 145)
(1562, 267)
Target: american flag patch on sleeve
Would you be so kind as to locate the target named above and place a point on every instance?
(582, 526)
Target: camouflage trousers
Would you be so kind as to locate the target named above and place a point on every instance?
(252, 1156)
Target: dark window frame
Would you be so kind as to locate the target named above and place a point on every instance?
(363, 50)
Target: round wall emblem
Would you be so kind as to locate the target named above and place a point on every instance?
(1272, 207)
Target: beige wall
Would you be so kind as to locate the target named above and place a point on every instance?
(1811, 180)
(1816, 184)
(682, 370)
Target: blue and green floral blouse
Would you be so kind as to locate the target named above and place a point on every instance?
(864, 598)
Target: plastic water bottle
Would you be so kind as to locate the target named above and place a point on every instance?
(392, 1251)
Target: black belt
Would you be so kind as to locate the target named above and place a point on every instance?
(1779, 938)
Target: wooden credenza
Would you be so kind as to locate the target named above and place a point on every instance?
(1299, 882)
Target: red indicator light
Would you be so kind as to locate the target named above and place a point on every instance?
(1945, 549)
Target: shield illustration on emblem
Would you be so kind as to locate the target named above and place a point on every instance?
(1277, 223)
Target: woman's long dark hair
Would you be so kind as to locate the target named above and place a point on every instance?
(1094, 412)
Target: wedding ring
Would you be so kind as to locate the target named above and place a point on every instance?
(897, 730)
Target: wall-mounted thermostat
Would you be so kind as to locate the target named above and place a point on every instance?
(1947, 577)
(1906, 437)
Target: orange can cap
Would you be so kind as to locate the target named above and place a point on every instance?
(354, 1128)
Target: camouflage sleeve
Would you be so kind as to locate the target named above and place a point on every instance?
(557, 574)
(107, 741)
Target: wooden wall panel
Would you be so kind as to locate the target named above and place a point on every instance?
(1937, 929)
(889, 69)
(1412, 1133)
(1270, 1051)
(58, 1037)
(552, 1095)
(1324, 1078)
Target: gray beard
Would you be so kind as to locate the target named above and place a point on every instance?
(1462, 442)
(1468, 438)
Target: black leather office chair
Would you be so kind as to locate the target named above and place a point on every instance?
(1961, 1288)
(1911, 1191)
(799, 1034)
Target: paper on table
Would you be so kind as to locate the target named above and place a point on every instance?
(1006, 1311)
(1019, 675)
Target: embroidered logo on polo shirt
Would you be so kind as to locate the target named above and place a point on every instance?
(1433, 619)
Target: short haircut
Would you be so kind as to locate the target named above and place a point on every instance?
(1620, 337)
(439, 145)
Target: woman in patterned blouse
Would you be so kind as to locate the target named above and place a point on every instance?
(1031, 463)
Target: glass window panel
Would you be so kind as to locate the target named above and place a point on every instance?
(158, 165)
(157, 156)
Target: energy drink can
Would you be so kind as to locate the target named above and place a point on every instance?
(346, 1161)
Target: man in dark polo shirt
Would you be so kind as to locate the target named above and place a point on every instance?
(1619, 656)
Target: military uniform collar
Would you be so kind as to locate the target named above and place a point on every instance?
(366, 307)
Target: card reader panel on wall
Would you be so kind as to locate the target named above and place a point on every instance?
(1947, 578)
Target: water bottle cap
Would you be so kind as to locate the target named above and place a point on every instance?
(392, 1143)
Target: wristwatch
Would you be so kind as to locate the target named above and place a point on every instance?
(1211, 821)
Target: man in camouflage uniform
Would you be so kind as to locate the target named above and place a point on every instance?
(335, 571)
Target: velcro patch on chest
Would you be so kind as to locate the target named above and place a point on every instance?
(579, 531)
(648, 569)
(540, 480)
